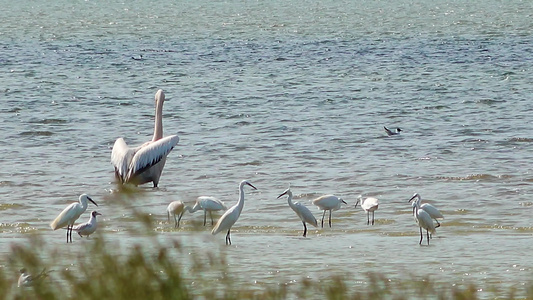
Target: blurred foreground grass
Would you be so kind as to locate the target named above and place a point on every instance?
(158, 271)
(157, 274)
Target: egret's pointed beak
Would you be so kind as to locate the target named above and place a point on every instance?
(343, 201)
(411, 198)
(356, 204)
(251, 185)
(284, 193)
(89, 198)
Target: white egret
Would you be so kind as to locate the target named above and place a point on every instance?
(424, 221)
(390, 132)
(70, 214)
(328, 202)
(303, 212)
(369, 205)
(88, 227)
(207, 204)
(145, 163)
(232, 214)
(26, 279)
(430, 209)
(175, 208)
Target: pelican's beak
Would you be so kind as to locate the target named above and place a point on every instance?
(89, 198)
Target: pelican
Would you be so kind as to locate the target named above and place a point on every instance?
(328, 202)
(70, 214)
(145, 163)
(89, 227)
(433, 212)
(232, 214)
(26, 279)
(390, 132)
(176, 208)
(207, 204)
(369, 205)
(303, 212)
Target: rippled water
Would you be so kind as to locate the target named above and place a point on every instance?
(282, 92)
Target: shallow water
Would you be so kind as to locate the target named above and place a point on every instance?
(284, 92)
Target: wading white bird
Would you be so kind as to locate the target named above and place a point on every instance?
(303, 212)
(26, 279)
(424, 221)
(88, 227)
(328, 202)
(232, 214)
(175, 208)
(70, 214)
(145, 163)
(207, 204)
(430, 209)
(390, 132)
(369, 205)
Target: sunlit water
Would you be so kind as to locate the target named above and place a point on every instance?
(279, 93)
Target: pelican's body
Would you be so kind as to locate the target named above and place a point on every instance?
(207, 204)
(176, 208)
(145, 163)
(369, 205)
(328, 202)
(430, 209)
(70, 214)
(303, 212)
(89, 227)
(424, 222)
(26, 279)
(390, 132)
(232, 214)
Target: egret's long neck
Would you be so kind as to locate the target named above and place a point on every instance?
(240, 204)
(158, 126)
(192, 210)
(289, 200)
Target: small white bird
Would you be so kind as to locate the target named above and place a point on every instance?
(207, 204)
(89, 227)
(26, 279)
(390, 132)
(328, 202)
(303, 212)
(145, 163)
(232, 214)
(175, 208)
(70, 214)
(430, 209)
(424, 221)
(369, 205)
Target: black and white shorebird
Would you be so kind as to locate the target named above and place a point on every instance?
(88, 227)
(26, 279)
(390, 132)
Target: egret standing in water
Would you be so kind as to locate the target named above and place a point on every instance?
(145, 163)
(424, 221)
(232, 214)
(390, 132)
(70, 214)
(89, 227)
(303, 212)
(328, 202)
(430, 209)
(369, 205)
(207, 204)
(175, 208)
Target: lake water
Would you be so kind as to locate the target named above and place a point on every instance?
(279, 93)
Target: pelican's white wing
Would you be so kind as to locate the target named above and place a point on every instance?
(121, 157)
(151, 154)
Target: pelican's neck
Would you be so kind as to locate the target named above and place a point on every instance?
(158, 126)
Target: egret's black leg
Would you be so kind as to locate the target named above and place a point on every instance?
(330, 218)
(228, 239)
(421, 236)
(211, 215)
(205, 215)
(368, 218)
(427, 233)
(176, 225)
(179, 218)
(305, 229)
(373, 218)
(323, 215)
